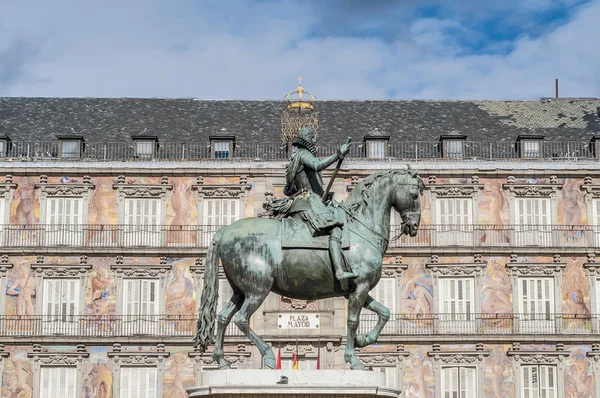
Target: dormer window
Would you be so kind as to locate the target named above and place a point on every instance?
(4, 145)
(71, 146)
(222, 147)
(453, 146)
(530, 146)
(145, 146)
(376, 147)
(595, 146)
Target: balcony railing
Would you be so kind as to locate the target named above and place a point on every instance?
(167, 325)
(489, 235)
(277, 151)
(200, 236)
(476, 324)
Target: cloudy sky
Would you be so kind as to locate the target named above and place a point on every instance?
(256, 49)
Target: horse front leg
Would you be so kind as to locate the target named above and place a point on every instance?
(356, 300)
(383, 315)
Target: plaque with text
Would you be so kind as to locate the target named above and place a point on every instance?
(298, 321)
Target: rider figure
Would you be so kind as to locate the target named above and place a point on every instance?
(304, 183)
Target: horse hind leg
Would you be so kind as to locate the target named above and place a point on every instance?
(383, 314)
(242, 319)
(223, 320)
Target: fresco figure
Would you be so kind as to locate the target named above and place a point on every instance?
(97, 382)
(496, 290)
(417, 386)
(180, 298)
(575, 289)
(181, 205)
(417, 295)
(18, 379)
(579, 380)
(497, 206)
(571, 207)
(499, 365)
(177, 369)
(25, 212)
(21, 284)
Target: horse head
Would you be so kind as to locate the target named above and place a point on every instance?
(407, 201)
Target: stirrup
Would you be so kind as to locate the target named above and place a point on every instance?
(345, 275)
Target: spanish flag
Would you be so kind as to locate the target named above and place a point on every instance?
(278, 363)
(295, 367)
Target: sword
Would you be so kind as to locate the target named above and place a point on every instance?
(337, 168)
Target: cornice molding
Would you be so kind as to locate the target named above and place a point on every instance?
(134, 358)
(76, 190)
(533, 357)
(454, 190)
(532, 190)
(593, 269)
(141, 270)
(388, 270)
(539, 269)
(61, 270)
(7, 189)
(384, 358)
(222, 190)
(207, 359)
(59, 358)
(458, 357)
(590, 191)
(456, 269)
(143, 190)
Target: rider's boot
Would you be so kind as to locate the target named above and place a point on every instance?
(335, 253)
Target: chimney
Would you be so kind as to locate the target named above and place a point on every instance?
(556, 83)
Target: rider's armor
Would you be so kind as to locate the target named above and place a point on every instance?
(304, 183)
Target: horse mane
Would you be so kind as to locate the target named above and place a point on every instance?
(357, 200)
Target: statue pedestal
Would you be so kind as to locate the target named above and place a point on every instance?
(301, 384)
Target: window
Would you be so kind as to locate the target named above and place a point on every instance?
(70, 148)
(456, 300)
(533, 219)
(144, 149)
(538, 381)
(225, 293)
(222, 149)
(58, 382)
(60, 306)
(536, 305)
(531, 149)
(139, 382)
(303, 363)
(595, 220)
(217, 213)
(459, 382)
(376, 148)
(140, 297)
(142, 222)
(64, 220)
(454, 149)
(385, 293)
(454, 217)
(4, 146)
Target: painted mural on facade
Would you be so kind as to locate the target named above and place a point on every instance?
(179, 374)
(498, 377)
(97, 376)
(180, 296)
(419, 379)
(21, 288)
(17, 378)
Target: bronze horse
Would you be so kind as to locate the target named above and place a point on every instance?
(255, 264)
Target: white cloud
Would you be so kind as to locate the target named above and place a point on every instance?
(257, 49)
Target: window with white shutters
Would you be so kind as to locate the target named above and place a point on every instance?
(597, 304)
(140, 306)
(538, 381)
(303, 363)
(454, 149)
(385, 293)
(391, 375)
(454, 218)
(376, 149)
(456, 304)
(138, 382)
(216, 213)
(64, 219)
(60, 306)
(595, 220)
(225, 293)
(536, 304)
(3, 220)
(459, 382)
(58, 382)
(142, 222)
(533, 222)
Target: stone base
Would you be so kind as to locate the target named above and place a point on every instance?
(301, 384)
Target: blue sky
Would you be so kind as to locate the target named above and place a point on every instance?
(344, 49)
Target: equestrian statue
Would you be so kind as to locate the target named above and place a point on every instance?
(311, 247)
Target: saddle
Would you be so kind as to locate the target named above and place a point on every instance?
(296, 234)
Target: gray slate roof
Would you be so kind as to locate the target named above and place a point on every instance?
(192, 120)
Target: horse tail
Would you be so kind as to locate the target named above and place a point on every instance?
(207, 313)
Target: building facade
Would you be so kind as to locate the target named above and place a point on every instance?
(108, 207)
